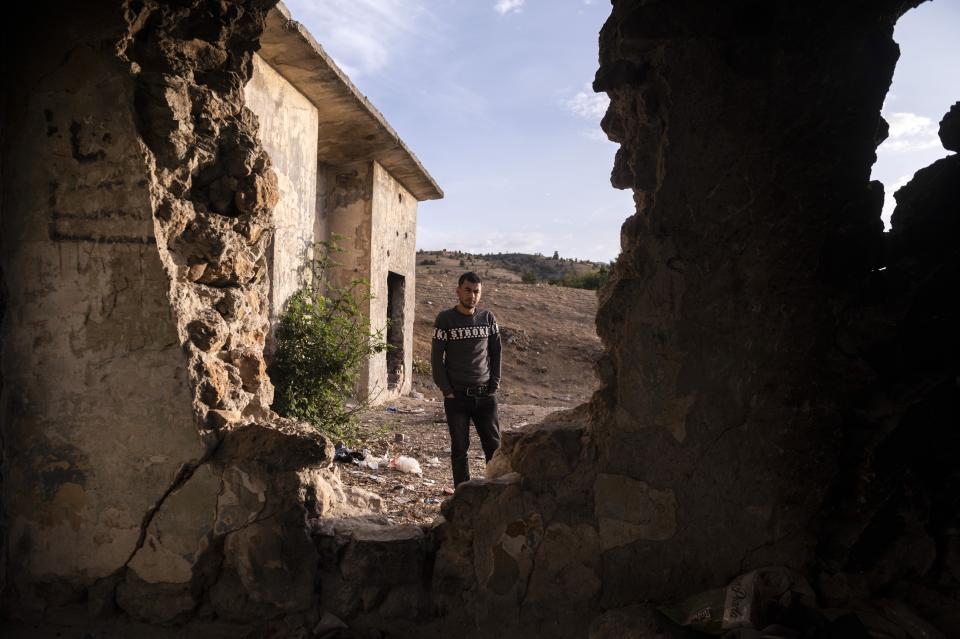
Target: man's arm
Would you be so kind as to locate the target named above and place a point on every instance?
(437, 365)
(494, 350)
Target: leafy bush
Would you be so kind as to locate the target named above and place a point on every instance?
(321, 341)
(421, 366)
(529, 277)
(592, 281)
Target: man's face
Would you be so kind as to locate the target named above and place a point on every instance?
(469, 294)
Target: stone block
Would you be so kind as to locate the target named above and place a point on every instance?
(628, 510)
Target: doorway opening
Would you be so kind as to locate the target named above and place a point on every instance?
(396, 287)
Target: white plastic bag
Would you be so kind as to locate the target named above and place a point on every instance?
(371, 461)
(406, 465)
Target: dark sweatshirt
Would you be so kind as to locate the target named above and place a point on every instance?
(465, 351)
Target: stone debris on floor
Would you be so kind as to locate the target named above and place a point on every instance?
(415, 427)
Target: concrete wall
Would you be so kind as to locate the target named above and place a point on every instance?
(96, 412)
(348, 205)
(378, 218)
(360, 201)
(288, 131)
(393, 249)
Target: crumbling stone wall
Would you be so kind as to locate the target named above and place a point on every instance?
(747, 135)
(393, 213)
(91, 439)
(143, 468)
(212, 189)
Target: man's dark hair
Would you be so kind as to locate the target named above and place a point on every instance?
(469, 276)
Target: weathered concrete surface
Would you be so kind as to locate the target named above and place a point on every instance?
(288, 132)
(143, 469)
(365, 187)
(96, 404)
(349, 205)
(379, 218)
(393, 250)
(748, 140)
(351, 129)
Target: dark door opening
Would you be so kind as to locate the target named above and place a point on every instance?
(396, 285)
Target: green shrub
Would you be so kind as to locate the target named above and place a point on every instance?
(592, 280)
(322, 340)
(421, 366)
(529, 277)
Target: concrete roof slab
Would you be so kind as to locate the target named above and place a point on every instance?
(351, 128)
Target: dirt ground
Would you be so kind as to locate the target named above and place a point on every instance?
(549, 346)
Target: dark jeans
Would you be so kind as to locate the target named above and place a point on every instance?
(460, 410)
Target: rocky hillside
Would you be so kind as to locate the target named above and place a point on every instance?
(524, 267)
(549, 338)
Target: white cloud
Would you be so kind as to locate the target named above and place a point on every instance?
(521, 241)
(503, 7)
(888, 202)
(363, 36)
(587, 104)
(909, 132)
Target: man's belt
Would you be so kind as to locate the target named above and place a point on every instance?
(475, 391)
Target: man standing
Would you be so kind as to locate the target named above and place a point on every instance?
(465, 359)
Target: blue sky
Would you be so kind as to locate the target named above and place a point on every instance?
(494, 98)
(925, 84)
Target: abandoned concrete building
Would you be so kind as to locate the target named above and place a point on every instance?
(341, 170)
(779, 385)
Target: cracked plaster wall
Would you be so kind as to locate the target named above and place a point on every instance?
(747, 137)
(96, 399)
(143, 470)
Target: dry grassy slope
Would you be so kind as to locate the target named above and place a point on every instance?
(550, 342)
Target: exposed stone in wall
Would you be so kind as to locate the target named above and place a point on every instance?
(96, 419)
(148, 472)
(212, 190)
(950, 128)
(747, 136)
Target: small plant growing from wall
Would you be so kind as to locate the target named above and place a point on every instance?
(322, 339)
